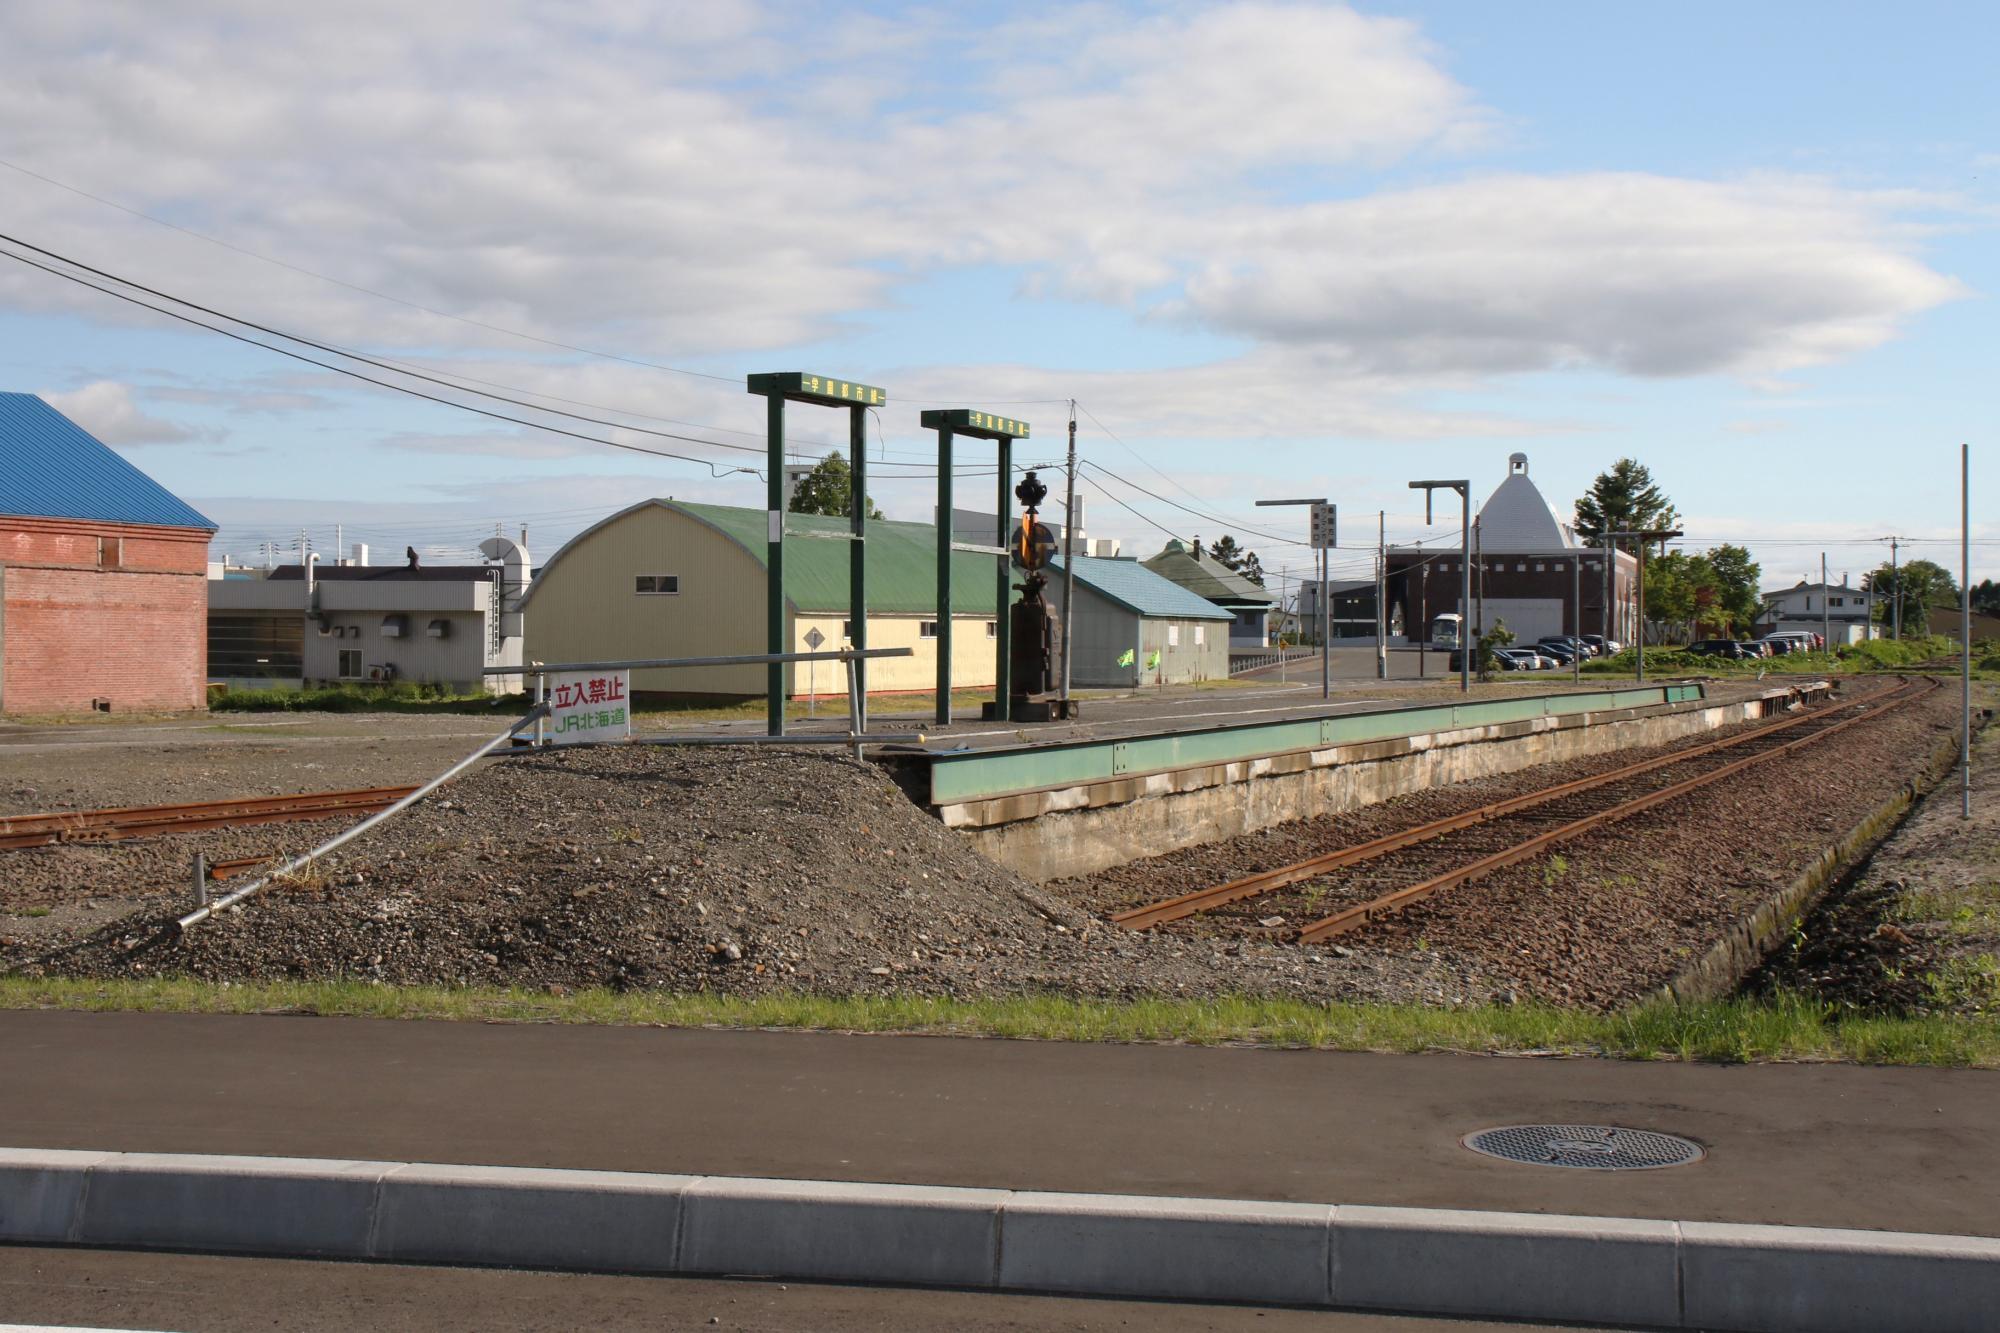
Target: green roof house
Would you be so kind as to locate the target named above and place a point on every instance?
(1249, 606)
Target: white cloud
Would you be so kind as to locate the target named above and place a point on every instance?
(106, 409)
(715, 181)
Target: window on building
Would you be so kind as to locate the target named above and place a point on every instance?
(256, 646)
(927, 629)
(350, 664)
(656, 585)
(992, 629)
(1200, 635)
(1520, 568)
(1173, 636)
(847, 630)
(1836, 601)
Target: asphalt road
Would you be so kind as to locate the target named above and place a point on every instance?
(1891, 1149)
(211, 1294)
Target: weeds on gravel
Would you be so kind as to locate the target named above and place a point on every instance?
(1782, 1027)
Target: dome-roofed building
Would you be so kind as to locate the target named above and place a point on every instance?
(1528, 569)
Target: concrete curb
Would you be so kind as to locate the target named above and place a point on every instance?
(1719, 1276)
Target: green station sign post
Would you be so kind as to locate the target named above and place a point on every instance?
(950, 423)
(778, 389)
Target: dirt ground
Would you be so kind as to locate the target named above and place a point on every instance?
(1917, 928)
(90, 766)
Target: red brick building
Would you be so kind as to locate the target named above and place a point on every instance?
(103, 575)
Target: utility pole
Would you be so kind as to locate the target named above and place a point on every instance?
(1964, 630)
(1069, 558)
(1610, 583)
(1895, 590)
(1825, 607)
(1576, 601)
(1381, 594)
(1644, 539)
(1479, 558)
(1464, 488)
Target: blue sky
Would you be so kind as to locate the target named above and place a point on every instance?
(1270, 249)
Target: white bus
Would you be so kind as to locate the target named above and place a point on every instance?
(1445, 630)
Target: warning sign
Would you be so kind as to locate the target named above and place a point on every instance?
(589, 706)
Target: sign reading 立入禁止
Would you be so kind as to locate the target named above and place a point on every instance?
(589, 706)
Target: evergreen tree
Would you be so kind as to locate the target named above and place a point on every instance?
(1226, 552)
(829, 489)
(1625, 499)
(1252, 568)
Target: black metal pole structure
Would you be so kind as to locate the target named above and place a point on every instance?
(1319, 507)
(777, 389)
(1464, 488)
(950, 423)
(1964, 630)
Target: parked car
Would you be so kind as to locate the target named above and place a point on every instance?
(1781, 644)
(1603, 645)
(1526, 659)
(1561, 652)
(1720, 648)
(1569, 641)
(1755, 648)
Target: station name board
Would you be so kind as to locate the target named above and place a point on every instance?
(818, 389)
(969, 421)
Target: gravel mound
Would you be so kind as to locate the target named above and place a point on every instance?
(688, 869)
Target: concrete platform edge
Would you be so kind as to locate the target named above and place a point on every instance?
(1662, 1274)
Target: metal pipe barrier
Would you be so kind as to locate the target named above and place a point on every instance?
(255, 887)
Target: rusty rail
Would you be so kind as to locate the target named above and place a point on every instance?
(1361, 914)
(1250, 886)
(146, 821)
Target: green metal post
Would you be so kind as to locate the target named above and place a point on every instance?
(774, 491)
(857, 564)
(1002, 629)
(944, 539)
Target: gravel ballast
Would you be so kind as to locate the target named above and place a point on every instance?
(751, 871)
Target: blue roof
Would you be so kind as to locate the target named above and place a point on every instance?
(1139, 589)
(50, 467)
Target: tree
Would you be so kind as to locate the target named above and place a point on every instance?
(1986, 597)
(1625, 499)
(1252, 568)
(1226, 552)
(1737, 599)
(1922, 583)
(829, 489)
(1483, 659)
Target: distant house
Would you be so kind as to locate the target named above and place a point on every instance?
(327, 624)
(1133, 627)
(101, 574)
(1198, 571)
(1816, 607)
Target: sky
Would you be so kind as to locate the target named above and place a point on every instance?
(1269, 250)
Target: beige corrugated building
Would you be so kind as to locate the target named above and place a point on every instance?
(666, 578)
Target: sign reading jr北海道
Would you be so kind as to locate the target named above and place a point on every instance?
(589, 706)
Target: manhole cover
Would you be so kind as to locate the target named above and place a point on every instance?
(1592, 1147)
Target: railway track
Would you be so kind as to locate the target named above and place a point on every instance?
(146, 821)
(1368, 880)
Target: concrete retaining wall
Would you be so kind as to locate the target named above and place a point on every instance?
(1622, 1271)
(1045, 835)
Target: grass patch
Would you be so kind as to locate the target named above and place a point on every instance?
(1785, 1027)
(402, 696)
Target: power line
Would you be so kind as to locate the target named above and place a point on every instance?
(385, 384)
(365, 291)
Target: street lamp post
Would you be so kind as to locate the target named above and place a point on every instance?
(1464, 489)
